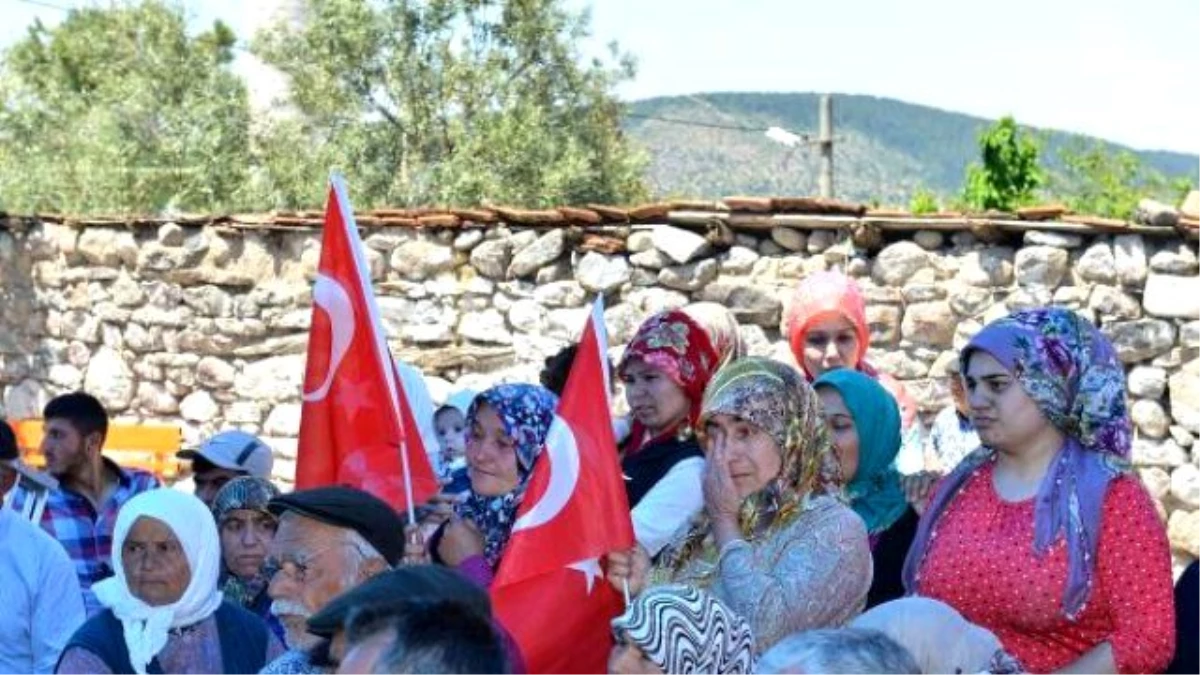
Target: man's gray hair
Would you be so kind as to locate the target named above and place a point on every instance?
(364, 548)
(839, 650)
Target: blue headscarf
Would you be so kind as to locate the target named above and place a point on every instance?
(874, 491)
(526, 412)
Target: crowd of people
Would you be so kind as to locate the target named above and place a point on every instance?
(786, 519)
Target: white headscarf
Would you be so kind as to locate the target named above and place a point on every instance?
(146, 627)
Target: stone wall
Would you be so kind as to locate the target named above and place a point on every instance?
(205, 326)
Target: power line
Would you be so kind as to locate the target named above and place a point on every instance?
(47, 5)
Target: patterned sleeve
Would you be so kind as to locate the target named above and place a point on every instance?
(80, 660)
(818, 579)
(1134, 569)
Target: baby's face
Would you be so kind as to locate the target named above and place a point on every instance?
(450, 426)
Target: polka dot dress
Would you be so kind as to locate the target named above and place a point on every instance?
(981, 561)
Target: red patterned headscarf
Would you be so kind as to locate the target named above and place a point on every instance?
(673, 343)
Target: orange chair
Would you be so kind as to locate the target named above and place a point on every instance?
(148, 447)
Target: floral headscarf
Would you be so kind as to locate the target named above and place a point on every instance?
(874, 491)
(1071, 372)
(244, 493)
(775, 398)
(722, 328)
(686, 630)
(679, 347)
(526, 412)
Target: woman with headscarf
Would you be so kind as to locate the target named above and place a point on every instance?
(246, 529)
(163, 610)
(865, 425)
(827, 329)
(680, 630)
(938, 637)
(1044, 536)
(506, 430)
(665, 369)
(724, 333)
(775, 543)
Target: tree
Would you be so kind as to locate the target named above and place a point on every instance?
(1009, 173)
(453, 102)
(1095, 181)
(118, 109)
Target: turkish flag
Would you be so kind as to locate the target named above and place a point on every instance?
(549, 591)
(356, 426)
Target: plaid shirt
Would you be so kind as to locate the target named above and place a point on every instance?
(85, 531)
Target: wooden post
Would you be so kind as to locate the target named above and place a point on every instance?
(825, 116)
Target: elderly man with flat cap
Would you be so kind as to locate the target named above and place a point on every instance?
(329, 541)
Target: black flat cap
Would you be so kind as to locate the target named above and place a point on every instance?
(424, 584)
(352, 509)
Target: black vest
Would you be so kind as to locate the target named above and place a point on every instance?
(645, 467)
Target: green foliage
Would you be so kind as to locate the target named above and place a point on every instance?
(923, 201)
(1009, 172)
(120, 110)
(448, 102)
(1098, 181)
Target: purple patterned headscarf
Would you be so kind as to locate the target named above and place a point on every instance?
(1072, 373)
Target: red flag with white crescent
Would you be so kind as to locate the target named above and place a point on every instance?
(549, 591)
(356, 426)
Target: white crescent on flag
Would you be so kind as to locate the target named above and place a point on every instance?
(329, 295)
(564, 474)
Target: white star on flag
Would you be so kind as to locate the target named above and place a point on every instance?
(590, 569)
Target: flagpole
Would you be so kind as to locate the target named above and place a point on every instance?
(385, 354)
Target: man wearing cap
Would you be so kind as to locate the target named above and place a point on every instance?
(39, 593)
(330, 540)
(226, 456)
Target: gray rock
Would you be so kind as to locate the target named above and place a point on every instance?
(896, 263)
(1156, 480)
(819, 240)
(559, 270)
(387, 241)
(653, 259)
(561, 294)
(1179, 259)
(567, 324)
(543, 251)
(884, 324)
(621, 322)
(1158, 453)
(680, 245)
(914, 293)
(602, 273)
(1114, 304)
(692, 277)
(274, 379)
(929, 323)
(755, 340)
(1147, 382)
(1129, 251)
(109, 379)
(1029, 298)
(376, 264)
(749, 304)
(930, 240)
(1189, 334)
(106, 247)
(970, 300)
(213, 373)
(1056, 239)
(1185, 485)
(420, 259)
(1041, 266)
(1182, 436)
(25, 400)
(789, 239)
(858, 268)
(739, 260)
(154, 398)
(1097, 265)
(988, 268)
(487, 326)
(1140, 340)
(770, 249)
(468, 239)
(142, 339)
(284, 420)
(523, 238)
(1185, 396)
(170, 234)
(900, 364)
(1074, 297)
(199, 407)
(65, 376)
(425, 322)
(1150, 418)
(208, 301)
(1172, 296)
(491, 258)
(527, 316)
(1151, 212)
(639, 241)
(654, 300)
(1182, 529)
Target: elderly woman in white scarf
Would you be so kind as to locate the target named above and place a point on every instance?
(164, 612)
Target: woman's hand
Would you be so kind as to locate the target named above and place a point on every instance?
(721, 498)
(415, 550)
(441, 508)
(630, 567)
(918, 488)
(461, 540)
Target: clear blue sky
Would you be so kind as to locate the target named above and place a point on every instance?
(1125, 70)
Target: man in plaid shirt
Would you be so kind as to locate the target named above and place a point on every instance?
(82, 511)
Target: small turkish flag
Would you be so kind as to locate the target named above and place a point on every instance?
(549, 591)
(356, 426)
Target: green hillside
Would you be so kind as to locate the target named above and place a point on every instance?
(885, 148)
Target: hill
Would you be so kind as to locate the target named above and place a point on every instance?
(713, 146)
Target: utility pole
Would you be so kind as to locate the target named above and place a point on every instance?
(825, 120)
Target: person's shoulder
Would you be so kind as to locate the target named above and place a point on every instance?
(139, 480)
(1127, 490)
(27, 536)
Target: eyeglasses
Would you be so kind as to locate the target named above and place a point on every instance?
(297, 568)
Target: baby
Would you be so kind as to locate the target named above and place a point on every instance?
(450, 423)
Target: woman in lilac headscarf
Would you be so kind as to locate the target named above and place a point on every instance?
(1043, 536)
